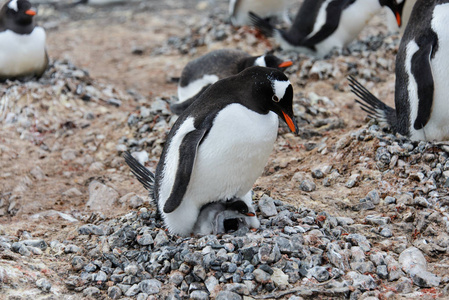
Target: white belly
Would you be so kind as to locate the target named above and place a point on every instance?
(438, 126)
(228, 162)
(195, 87)
(22, 54)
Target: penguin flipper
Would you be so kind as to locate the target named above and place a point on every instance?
(187, 156)
(422, 72)
(333, 14)
(265, 27)
(145, 177)
(371, 104)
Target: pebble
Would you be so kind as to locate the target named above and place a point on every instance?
(43, 284)
(267, 207)
(101, 196)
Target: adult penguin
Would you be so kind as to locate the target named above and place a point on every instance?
(22, 50)
(219, 145)
(421, 90)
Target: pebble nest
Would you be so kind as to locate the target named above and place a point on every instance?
(394, 246)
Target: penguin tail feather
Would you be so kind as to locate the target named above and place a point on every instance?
(145, 177)
(369, 103)
(265, 27)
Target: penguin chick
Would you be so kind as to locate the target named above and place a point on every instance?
(22, 50)
(203, 71)
(225, 216)
(421, 87)
(220, 144)
(323, 25)
(238, 10)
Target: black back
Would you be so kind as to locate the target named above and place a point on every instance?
(17, 21)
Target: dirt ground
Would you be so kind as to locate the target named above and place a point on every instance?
(102, 41)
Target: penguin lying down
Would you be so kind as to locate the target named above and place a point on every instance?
(214, 218)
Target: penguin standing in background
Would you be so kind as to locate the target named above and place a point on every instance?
(238, 10)
(421, 89)
(405, 16)
(200, 73)
(219, 146)
(322, 25)
(22, 43)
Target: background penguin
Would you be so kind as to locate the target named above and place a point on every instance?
(421, 90)
(238, 10)
(224, 216)
(22, 43)
(322, 25)
(405, 16)
(220, 144)
(200, 73)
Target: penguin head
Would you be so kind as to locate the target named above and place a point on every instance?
(239, 206)
(17, 13)
(272, 61)
(396, 7)
(272, 91)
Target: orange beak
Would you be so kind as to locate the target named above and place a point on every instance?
(30, 12)
(291, 124)
(250, 214)
(398, 19)
(285, 64)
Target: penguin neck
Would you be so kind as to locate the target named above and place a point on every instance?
(19, 28)
(246, 63)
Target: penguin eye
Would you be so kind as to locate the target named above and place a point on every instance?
(275, 98)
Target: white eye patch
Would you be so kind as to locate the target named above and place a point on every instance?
(13, 5)
(279, 87)
(260, 61)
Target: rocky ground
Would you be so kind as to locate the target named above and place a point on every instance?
(348, 210)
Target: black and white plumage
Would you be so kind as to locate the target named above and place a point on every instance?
(220, 144)
(205, 70)
(224, 216)
(22, 43)
(238, 10)
(323, 25)
(392, 24)
(421, 89)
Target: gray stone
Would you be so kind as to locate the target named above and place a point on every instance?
(133, 290)
(145, 239)
(228, 295)
(150, 286)
(78, 262)
(261, 276)
(404, 285)
(91, 292)
(377, 220)
(363, 282)
(307, 186)
(394, 268)
(212, 285)
(411, 258)
(382, 271)
(161, 239)
(131, 269)
(423, 278)
(359, 240)
(114, 292)
(43, 284)
(267, 207)
(176, 278)
(373, 196)
(319, 273)
(238, 288)
(101, 196)
(199, 295)
(41, 244)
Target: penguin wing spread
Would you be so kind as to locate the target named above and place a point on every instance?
(187, 156)
(422, 72)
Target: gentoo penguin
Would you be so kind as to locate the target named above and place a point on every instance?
(205, 70)
(98, 2)
(219, 145)
(238, 10)
(322, 25)
(421, 89)
(405, 16)
(22, 43)
(223, 217)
